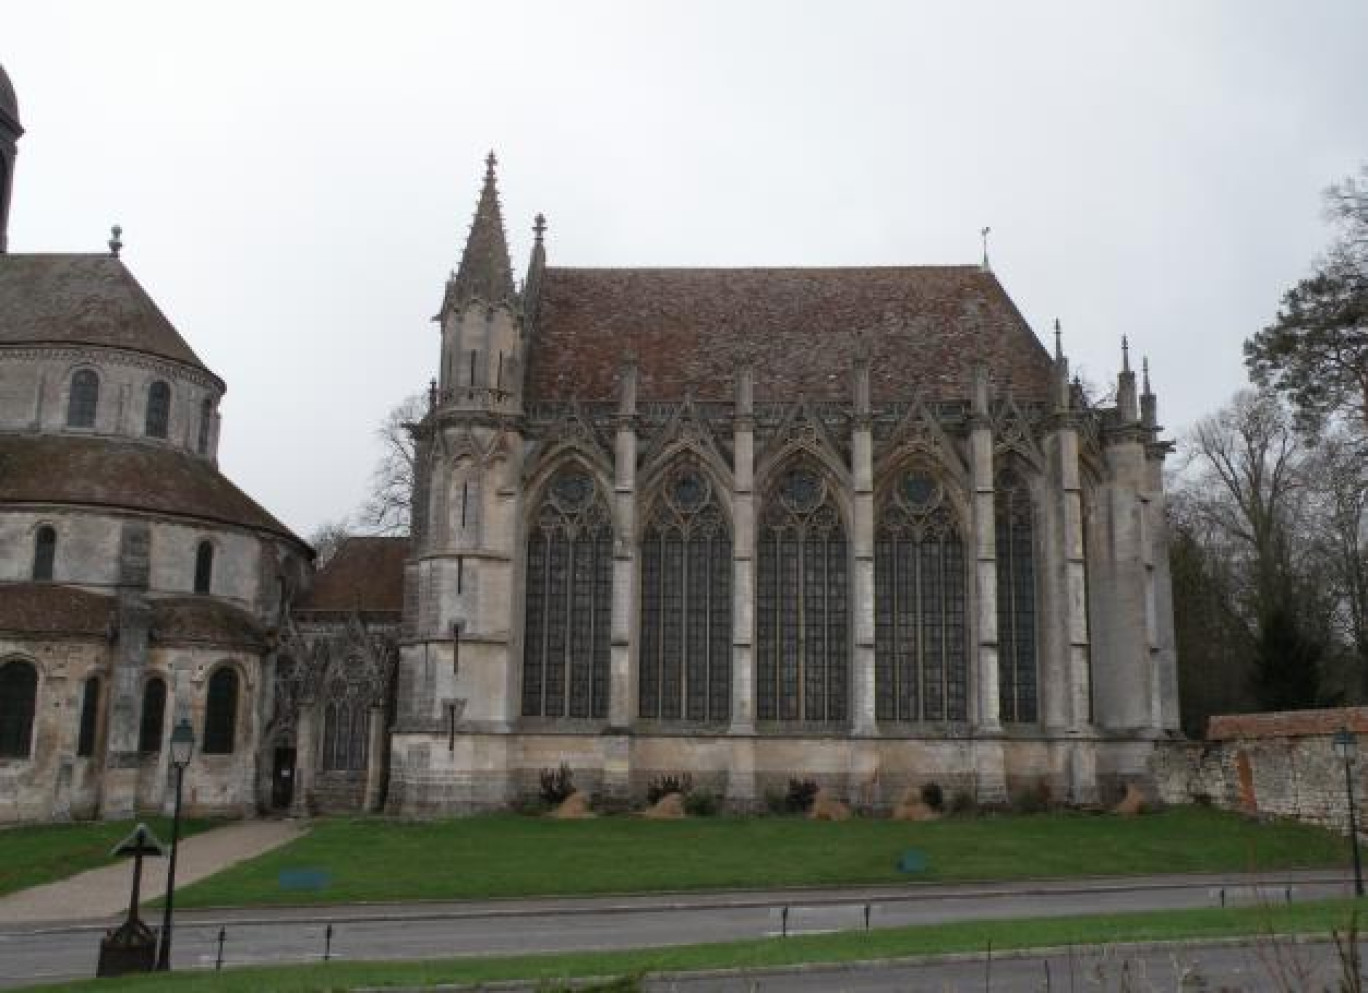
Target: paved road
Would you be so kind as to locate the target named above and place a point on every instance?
(475, 928)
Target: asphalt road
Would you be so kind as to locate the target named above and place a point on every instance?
(49, 953)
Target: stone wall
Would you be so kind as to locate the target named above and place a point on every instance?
(1273, 764)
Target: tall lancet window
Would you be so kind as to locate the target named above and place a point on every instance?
(803, 622)
(568, 601)
(1016, 599)
(686, 635)
(920, 633)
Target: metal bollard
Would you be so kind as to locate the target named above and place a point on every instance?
(866, 917)
(327, 944)
(218, 959)
(784, 918)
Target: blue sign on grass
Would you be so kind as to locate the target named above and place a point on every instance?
(304, 879)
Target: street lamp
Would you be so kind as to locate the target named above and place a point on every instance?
(182, 744)
(1346, 747)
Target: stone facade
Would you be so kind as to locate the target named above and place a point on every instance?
(567, 413)
(1278, 764)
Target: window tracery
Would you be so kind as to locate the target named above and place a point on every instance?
(568, 601)
(1016, 599)
(920, 583)
(802, 623)
(684, 667)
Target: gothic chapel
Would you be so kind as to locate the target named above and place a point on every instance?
(850, 525)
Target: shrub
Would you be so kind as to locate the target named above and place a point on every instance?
(1035, 799)
(700, 804)
(963, 804)
(663, 786)
(557, 785)
(775, 802)
(801, 793)
(933, 796)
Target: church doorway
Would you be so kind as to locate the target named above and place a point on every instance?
(282, 779)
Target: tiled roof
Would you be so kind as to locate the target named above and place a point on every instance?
(924, 328)
(83, 300)
(364, 575)
(205, 619)
(44, 608)
(120, 474)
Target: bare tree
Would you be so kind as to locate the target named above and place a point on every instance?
(327, 538)
(386, 510)
(1339, 513)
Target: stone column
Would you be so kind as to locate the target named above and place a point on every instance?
(862, 473)
(122, 692)
(743, 556)
(375, 759)
(988, 756)
(617, 754)
(305, 757)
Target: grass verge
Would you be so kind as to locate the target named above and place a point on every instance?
(1318, 917)
(506, 856)
(45, 853)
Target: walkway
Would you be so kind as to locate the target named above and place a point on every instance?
(103, 893)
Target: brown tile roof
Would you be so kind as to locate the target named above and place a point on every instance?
(119, 474)
(365, 575)
(205, 619)
(83, 300)
(1287, 723)
(926, 326)
(44, 608)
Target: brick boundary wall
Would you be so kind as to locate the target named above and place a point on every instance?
(1278, 764)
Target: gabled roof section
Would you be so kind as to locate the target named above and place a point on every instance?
(110, 473)
(84, 300)
(365, 575)
(486, 273)
(46, 608)
(924, 328)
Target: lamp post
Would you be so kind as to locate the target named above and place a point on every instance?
(182, 744)
(1346, 747)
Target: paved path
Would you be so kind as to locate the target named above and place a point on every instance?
(103, 893)
(416, 931)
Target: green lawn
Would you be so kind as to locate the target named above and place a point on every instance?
(379, 860)
(43, 853)
(846, 947)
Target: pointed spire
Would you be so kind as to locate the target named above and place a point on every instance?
(486, 271)
(1125, 354)
(1144, 373)
(1059, 341)
(984, 235)
(539, 227)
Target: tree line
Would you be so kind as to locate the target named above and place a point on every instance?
(1268, 503)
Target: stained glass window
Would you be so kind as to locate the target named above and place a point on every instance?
(684, 665)
(920, 632)
(158, 410)
(569, 589)
(204, 567)
(1016, 604)
(44, 553)
(803, 617)
(84, 399)
(18, 703)
(220, 712)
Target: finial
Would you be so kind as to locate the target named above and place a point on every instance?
(984, 235)
(1144, 371)
(1125, 354)
(432, 393)
(539, 227)
(115, 244)
(1059, 340)
(491, 160)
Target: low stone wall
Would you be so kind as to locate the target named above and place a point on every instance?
(1278, 764)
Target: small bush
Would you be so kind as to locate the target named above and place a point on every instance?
(663, 786)
(963, 804)
(933, 796)
(775, 802)
(1035, 799)
(700, 804)
(801, 793)
(557, 785)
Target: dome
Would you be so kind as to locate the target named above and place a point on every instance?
(9, 103)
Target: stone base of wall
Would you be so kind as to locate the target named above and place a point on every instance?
(434, 776)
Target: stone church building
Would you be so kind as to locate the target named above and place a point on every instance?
(851, 525)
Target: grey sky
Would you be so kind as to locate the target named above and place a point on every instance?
(295, 180)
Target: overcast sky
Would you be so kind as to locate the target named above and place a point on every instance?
(295, 180)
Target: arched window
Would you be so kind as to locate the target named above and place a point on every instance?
(803, 619)
(205, 424)
(686, 636)
(153, 716)
(568, 601)
(90, 718)
(204, 567)
(1016, 599)
(920, 633)
(44, 553)
(84, 399)
(344, 735)
(18, 703)
(158, 410)
(220, 712)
